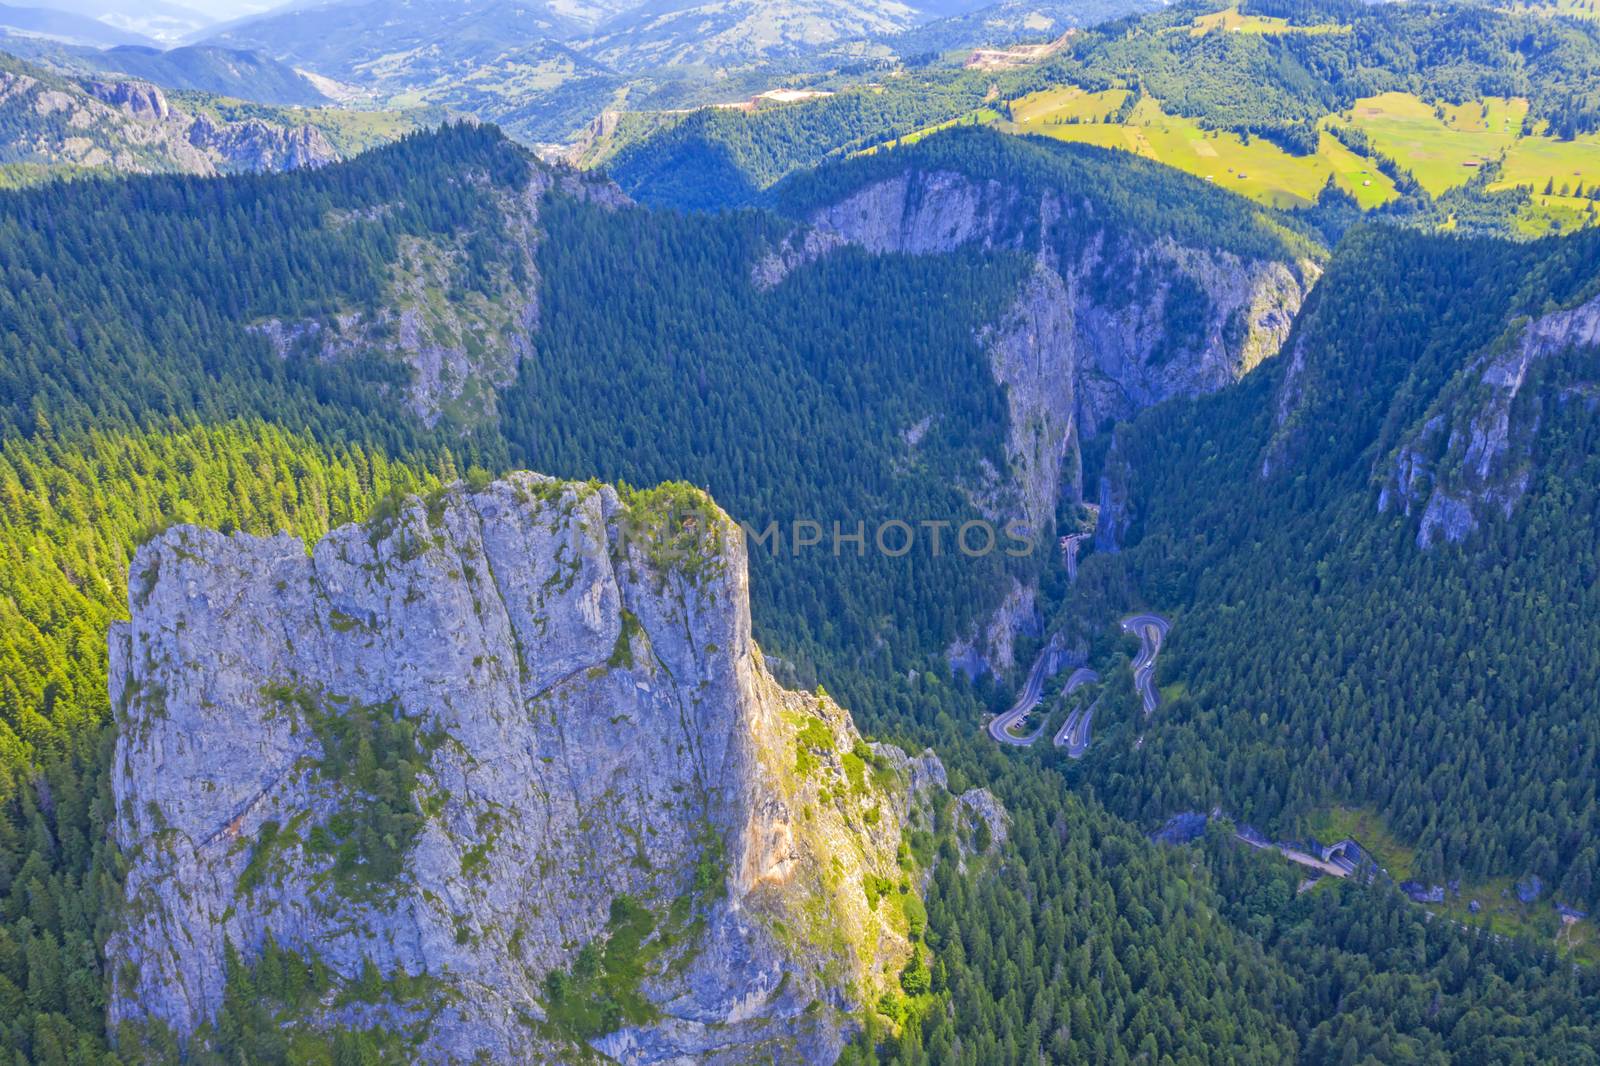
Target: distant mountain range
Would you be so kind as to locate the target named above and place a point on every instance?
(733, 33)
(64, 26)
(545, 69)
(157, 20)
(198, 68)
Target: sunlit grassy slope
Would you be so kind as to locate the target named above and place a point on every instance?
(1443, 145)
(1256, 168)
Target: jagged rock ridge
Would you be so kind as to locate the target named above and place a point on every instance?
(589, 722)
(130, 126)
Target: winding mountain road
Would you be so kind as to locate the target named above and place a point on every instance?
(1151, 629)
(1027, 700)
(1074, 732)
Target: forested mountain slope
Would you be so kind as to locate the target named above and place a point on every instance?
(1381, 551)
(140, 396)
(556, 292)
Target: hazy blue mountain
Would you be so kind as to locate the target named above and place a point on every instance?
(159, 19)
(199, 68)
(64, 26)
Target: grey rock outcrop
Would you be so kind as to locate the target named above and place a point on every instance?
(992, 650)
(1473, 451)
(131, 126)
(1072, 354)
(251, 144)
(139, 99)
(589, 722)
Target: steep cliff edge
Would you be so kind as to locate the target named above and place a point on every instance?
(513, 746)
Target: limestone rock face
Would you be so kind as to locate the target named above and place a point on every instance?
(550, 693)
(1473, 451)
(251, 144)
(137, 98)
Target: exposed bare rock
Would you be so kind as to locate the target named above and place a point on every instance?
(991, 648)
(130, 126)
(1291, 391)
(1111, 519)
(978, 805)
(459, 350)
(805, 245)
(1473, 451)
(585, 719)
(137, 98)
(1026, 350)
(252, 144)
(922, 213)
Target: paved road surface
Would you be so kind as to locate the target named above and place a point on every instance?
(1151, 629)
(1074, 732)
(1000, 728)
(1295, 855)
(1069, 552)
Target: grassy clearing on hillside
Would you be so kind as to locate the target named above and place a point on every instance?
(1067, 104)
(1229, 20)
(1367, 828)
(1539, 162)
(983, 116)
(1442, 146)
(1504, 914)
(1557, 214)
(1258, 169)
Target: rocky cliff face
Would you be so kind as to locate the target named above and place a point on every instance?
(1474, 451)
(478, 735)
(1105, 326)
(130, 126)
(251, 144)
